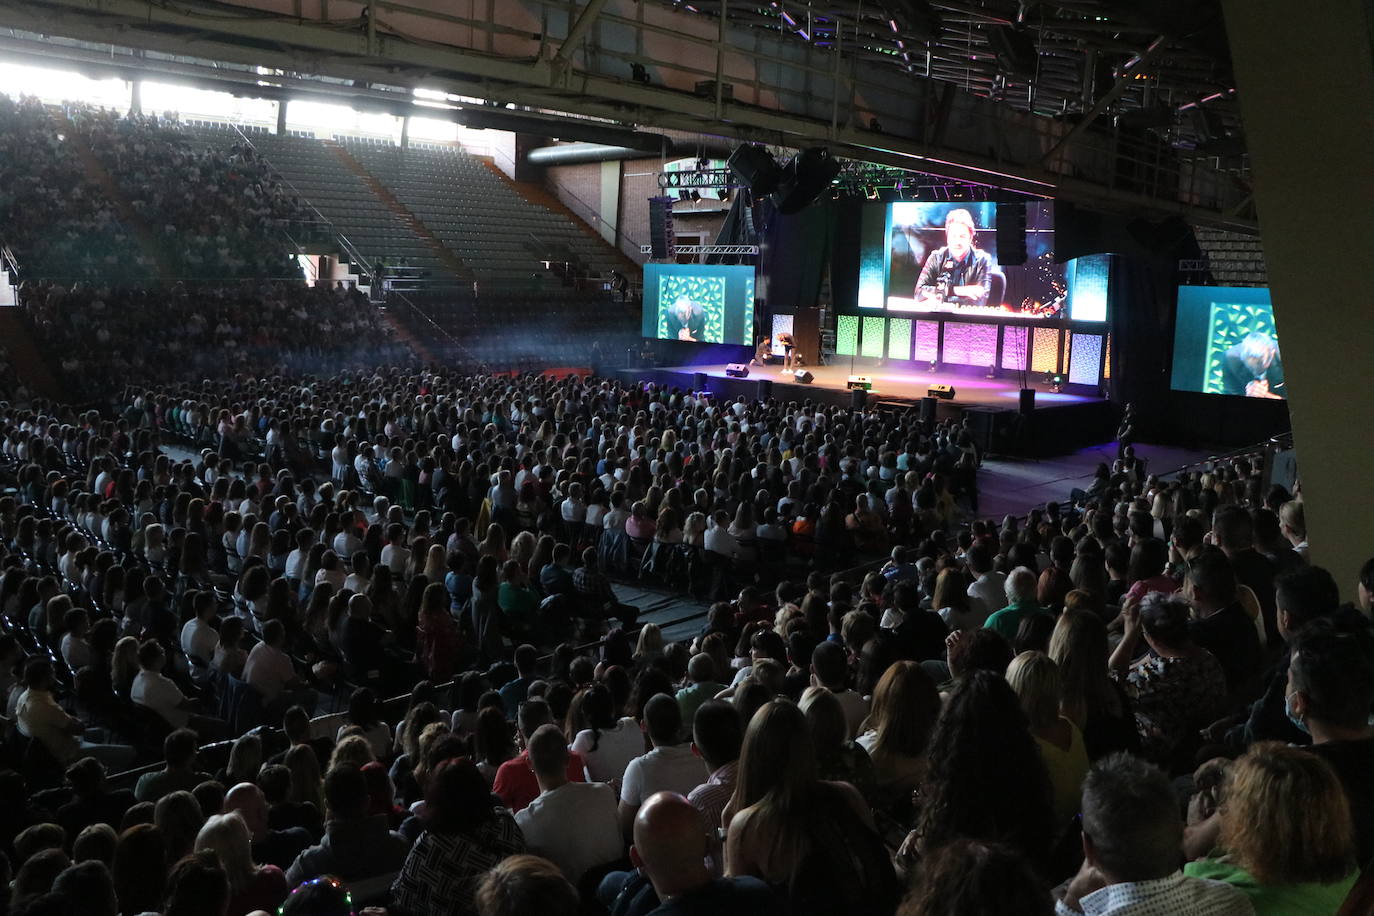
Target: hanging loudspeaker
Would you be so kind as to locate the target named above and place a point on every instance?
(1011, 234)
(662, 241)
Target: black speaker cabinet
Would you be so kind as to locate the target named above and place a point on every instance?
(1027, 400)
(737, 370)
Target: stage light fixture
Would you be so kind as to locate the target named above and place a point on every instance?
(932, 365)
(992, 370)
(1057, 384)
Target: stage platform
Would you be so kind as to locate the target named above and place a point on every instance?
(1062, 422)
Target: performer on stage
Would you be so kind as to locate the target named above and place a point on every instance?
(789, 349)
(958, 273)
(1254, 368)
(763, 353)
(686, 321)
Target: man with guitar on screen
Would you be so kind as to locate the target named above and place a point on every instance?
(957, 273)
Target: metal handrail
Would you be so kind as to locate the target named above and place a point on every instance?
(354, 256)
(410, 304)
(587, 213)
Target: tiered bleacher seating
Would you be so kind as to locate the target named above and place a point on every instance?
(501, 236)
(319, 176)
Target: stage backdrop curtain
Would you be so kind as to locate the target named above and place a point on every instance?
(1142, 291)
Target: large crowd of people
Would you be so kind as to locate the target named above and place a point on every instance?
(290, 625)
(1143, 698)
(216, 213)
(58, 222)
(99, 337)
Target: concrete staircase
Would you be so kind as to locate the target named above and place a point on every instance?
(28, 364)
(541, 197)
(446, 255)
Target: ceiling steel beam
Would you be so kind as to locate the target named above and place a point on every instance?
(580, 27)
(1123, 81)
(295, 45)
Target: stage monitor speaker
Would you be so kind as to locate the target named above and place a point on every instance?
(858, 398)
(1011, 234)
(765, 389)
(928, 405)
(992, 428)
(859, 383)
(803, 376)
(757, 168)
(662, 240)
(699, 381)
(1027, 400)
(943, 392)
(737, 370)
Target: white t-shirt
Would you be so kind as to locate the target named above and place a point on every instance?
(575, 826)
(346, 543)
(396, 557)
(295, 562)
(158, 693)
(664, 769)
(855, 709)
(269, 670)
(76, 652)
(615, 748)
(198, 638)
(720, 540)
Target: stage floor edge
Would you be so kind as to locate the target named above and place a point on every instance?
(1062, 421)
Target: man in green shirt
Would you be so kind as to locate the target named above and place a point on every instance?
(1021, 586)
(702, 671)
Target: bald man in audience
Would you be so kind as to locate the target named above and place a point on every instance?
(270, 847)
(670, 847)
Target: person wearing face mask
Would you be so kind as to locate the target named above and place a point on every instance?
(1329, 695)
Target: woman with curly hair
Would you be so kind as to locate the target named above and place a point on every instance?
(986, 779)
(1286, 831)
(972, 878)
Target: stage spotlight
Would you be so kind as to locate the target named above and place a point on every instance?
(1057, 384)
(932, 365)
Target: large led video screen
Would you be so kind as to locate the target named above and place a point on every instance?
(1225, 342)
(942, 257)
(700, 303)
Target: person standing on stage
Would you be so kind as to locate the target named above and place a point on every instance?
(789, 351)
(957, 273)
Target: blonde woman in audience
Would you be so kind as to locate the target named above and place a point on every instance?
(1286, 833)
(251, 886)
(896, 733)
(353, 748)
(1035, 678)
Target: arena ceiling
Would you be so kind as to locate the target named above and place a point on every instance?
(1111, 103)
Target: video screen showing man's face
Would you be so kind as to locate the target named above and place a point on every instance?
(958, 238)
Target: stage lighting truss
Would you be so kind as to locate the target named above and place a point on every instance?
(699, 178)
(737, 250)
